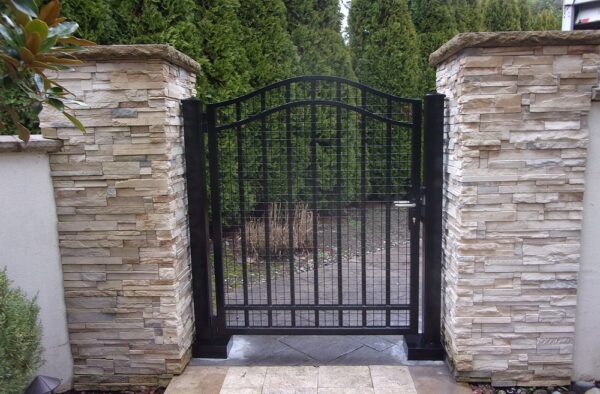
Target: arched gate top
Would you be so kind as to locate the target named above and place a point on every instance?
(318, 90)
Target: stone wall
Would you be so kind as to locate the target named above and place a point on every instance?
(518, 106)
(122, 223)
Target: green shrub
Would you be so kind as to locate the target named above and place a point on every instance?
(20, 336)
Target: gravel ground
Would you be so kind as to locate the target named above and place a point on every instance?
(578, 388)
(375, 238)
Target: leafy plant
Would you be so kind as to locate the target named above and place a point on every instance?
(32, 41)
(20, 337)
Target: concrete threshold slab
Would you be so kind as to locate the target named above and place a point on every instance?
(315, 350)
(375, 379)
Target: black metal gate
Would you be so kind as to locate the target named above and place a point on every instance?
(305, 211)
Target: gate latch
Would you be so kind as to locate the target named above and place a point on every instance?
(404, 204)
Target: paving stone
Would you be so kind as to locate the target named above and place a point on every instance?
(198, 380)
(245, 378)
(346, 390)
(291, 378)
(436, 379)
(390, 378)
(344, 376)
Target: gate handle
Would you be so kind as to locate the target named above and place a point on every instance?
(404, 204)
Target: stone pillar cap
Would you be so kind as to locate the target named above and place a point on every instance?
(139, 52)
(513, 39)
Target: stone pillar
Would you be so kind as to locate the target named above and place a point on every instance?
(120, 194)
(518, 106)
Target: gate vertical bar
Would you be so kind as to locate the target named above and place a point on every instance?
(290, 203)
(315, 188)
(388, 212)
(363, 207)
(240, 158)
(265, 184)
(206, 343)
(338, 194)
(428, 345)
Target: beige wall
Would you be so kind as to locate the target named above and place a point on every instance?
(518, 125)
(29, 244)
(587, 327)
(122, 219)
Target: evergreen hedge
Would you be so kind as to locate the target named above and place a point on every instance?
(244, 45)
(20, 338)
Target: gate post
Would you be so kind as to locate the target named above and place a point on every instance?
(428, 346)
(206, 343)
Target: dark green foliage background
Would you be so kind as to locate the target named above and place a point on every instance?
(244, 45)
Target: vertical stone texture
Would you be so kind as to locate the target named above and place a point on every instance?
(120, 195)
(516, 156)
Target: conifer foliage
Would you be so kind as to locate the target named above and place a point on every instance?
(502, 15)
(383, 38)
(315, 29)
(246, 44)
(436, 23)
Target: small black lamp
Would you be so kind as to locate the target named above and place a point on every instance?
(43, 385)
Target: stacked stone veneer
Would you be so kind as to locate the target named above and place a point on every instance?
(517, 128)
(120, 194)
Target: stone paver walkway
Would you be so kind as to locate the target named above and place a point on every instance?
(375, 379)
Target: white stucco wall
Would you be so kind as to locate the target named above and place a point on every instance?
(587, 327)
(29, 250)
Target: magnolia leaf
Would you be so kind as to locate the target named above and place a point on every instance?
(56, 90)
(58, 60)
(37, 26)
(6, 35)
(58, 21)
(56, 103)
(48, 44)
(12, 70)
(75, 41)
(8, 21)
(76, 102)
(37, 107)
(22, 131)
(27, 7)
(47, 82)
(26, 55)
(21, 18)
(39, 82)
(64, 29)
(75, 121)
(33, 42)
(50, 11)
(65, 90)
(9, 60)
(40, 66)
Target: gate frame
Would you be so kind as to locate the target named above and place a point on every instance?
(428, 345)
(212, 340)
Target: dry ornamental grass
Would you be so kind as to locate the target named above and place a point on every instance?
(279, 221)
